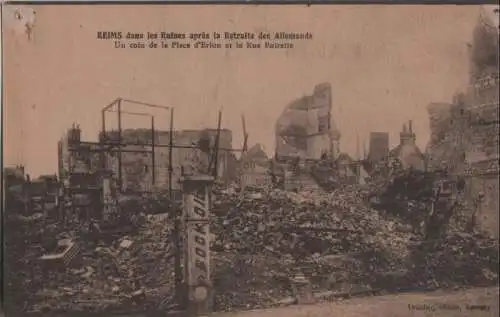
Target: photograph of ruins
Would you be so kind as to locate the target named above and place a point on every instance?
(140, 182)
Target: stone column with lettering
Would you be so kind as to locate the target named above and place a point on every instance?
(106, 198)
(196, 191)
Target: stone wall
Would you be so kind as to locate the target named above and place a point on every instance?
(488, 208)
(466, 132)
(464, 139)
(137, 174)
(137, 171)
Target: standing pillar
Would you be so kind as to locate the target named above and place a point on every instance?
(108, 201)
(197, 279)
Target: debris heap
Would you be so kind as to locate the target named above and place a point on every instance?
(261, 238)
(265, 236)
(294, 230)
(133, 272)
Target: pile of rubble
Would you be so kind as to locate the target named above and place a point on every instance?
(305, 231)
(131, 272)
(262, 237)
(250, 281)
(459, 259)
(302, 224)
(296, 230)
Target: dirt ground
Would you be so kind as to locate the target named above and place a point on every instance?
(479, 302)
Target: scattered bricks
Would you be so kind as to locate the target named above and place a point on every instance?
(126, 244)
(107, 265)
(138, 296)
(65, 252)
(127, 248)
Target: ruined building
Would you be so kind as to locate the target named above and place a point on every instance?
(137, 159)
(305, 129)
(137, 167)
(14, 184)
(407, 152)
(349, 170)
(255, 167)
(378, 146)
(13, 176)
(464, 133)
(81, 174)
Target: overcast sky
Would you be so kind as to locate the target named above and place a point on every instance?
(385, 64)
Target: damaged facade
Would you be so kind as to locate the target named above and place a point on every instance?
(81, 176)
(137, 156)
(305, 128)
(464, 136)
(309, 142)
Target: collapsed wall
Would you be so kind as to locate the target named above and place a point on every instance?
(305, 128)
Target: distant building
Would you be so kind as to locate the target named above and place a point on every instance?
(15, 193)
(44, 193)
(306, 130)
(137, 158)
(350, 171)
(407, 152)
(13, 176)
(378, 146)
(80, 176)
(255, 168)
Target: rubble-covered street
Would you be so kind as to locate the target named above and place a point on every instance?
(118, 273)
(260, 238)
(336, 239)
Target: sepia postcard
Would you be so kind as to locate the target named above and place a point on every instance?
(250, 160)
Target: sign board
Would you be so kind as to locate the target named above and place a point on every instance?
(196, 198)
(198, 251)
(196, 204)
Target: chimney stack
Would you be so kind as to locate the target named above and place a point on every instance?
(407, 135)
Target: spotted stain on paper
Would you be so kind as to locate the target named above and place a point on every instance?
(21, 20)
